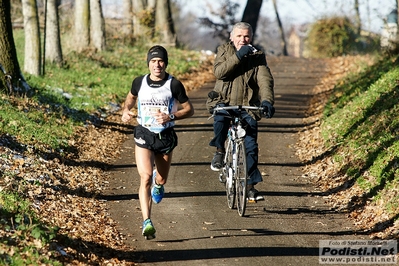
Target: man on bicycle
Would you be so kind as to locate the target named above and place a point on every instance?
(243, 78)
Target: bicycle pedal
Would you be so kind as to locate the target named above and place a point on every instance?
(251, 201)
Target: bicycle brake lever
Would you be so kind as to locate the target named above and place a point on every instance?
(213, 115)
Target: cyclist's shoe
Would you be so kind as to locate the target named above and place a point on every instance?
(253, 195)
(148, 229)
(157, 191)
(217, 161)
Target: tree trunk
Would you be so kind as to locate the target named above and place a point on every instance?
(53, 39)
(151, 4)
(8, 53)
(97, 25)
(280, 26)
(32, 63)
(396, 44)
(82, 25)
(251, 13)
(357, 18)
(164, 23)
(127, 26)
(143, 20)
(397, 10)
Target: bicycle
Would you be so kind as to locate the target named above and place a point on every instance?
(234, 169)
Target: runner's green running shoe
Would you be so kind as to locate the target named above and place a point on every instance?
(148, 229)
(157, 191)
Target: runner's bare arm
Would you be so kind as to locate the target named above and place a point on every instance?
(129, 103)
(186, 111)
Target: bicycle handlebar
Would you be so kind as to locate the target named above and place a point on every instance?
(234, 107)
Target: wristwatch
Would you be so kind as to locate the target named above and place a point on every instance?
(171, 117)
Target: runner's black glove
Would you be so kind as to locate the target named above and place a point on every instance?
(268, 109)
(244, 50)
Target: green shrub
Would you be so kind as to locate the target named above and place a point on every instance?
(331, 37)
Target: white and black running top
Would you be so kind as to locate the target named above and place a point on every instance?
(154, 96)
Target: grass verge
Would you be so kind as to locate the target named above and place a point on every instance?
(355, 163)
(53, 153)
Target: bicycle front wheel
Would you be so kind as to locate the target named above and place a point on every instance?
(241, 178)
(229, 170)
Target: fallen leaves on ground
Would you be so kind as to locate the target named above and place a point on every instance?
(66, 191)
(323, 171)
(66, 187)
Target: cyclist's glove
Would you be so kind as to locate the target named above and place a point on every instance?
(213, 95)
(244, 50)
(268, 109)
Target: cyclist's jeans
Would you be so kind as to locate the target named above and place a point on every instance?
(220, 129)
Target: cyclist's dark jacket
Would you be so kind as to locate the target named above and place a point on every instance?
(245, 82)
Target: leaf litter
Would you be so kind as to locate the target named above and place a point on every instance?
(66, 191)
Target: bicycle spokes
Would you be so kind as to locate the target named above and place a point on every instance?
(241, 179)
(230, 185)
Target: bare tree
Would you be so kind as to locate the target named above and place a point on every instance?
(53, 50)
(280, 26)
(32, 63)
(164, 23)
(82, 25)
(251, 13)
(397, 10)
(138, 18)
(127, 26)
(189, 36)
(358, 22)
(226, 13)
(268, 38)
(97, 25)
(143, 19)
(8, 53)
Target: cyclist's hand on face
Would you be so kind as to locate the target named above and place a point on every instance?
(244, 50)
(268, 109)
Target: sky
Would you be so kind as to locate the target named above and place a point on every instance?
(298, 11)
(303, 11)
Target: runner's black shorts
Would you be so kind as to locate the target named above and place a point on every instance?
(163, 142)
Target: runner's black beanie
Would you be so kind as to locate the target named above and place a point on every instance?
(157, 51)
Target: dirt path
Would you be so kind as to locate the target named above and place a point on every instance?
(194, 225)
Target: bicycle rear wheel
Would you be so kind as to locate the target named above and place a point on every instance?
(241, 178)
(228, 168)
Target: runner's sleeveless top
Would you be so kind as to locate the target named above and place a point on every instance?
(153, 100)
